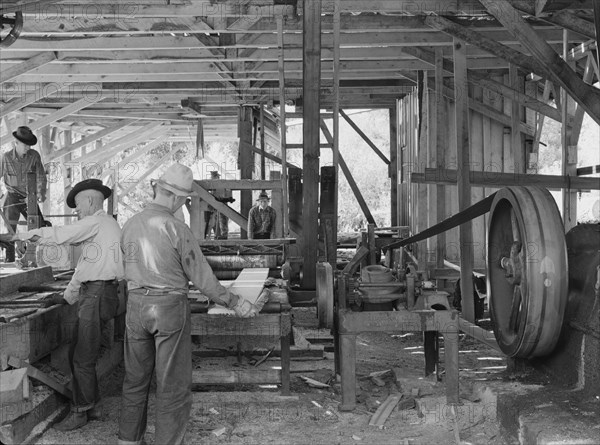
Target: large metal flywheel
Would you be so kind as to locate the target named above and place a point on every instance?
(527, 271)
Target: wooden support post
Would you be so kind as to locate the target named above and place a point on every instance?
(311, 79)
(262, 143)
(440, 143)
(245, 161)
(295, 193)
(516, 115)
(327, 216)
(451, 361)
(286, 327)
(464, 186)
(277, 204)
(393, 167)
(432, 352)
(348, 371)
(283, 127)
(372, 245)
(569, 151)
(336, 136)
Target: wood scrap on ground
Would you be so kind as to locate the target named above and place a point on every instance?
(384, 411)
(314, 383)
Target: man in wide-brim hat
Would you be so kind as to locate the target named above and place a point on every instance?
(261, 219)
(93, 287)
(14, 166)
(161, 258)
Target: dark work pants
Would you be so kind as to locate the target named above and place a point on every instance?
(262, 236)
(14, 206)
(217, 222)
(158, 337)
(98, 303)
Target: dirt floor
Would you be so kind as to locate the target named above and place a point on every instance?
(252, 415)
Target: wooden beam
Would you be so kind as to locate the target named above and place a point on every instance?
(311, 44)
(122, 168)
(242, 184)
(495, 179)
(585, 95)
(274, 158)
(65, 111)
(40, 93)
(355, 189)
(365, 137)
(572, 22)
(483, 80)
(463, 150)
(69, 148)
(206, 196)
(29, 65)
(577, 121)
(120, 144)
(483, 42)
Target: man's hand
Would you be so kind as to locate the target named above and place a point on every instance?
(42, 198)
(245, 309)
(55, 298)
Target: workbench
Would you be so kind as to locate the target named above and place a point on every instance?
(235, 329)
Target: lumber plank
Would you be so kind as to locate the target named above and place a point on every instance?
(35, 373)
(19, 429)
(385, 409)
(236, 376)
(498, 179)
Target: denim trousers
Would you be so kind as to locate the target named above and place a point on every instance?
(158, 338)
(98, 303)
(15, 206)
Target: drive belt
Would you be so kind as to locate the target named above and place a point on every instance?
(478, 209)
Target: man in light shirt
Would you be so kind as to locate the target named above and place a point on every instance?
(93, 287)
(161, 257)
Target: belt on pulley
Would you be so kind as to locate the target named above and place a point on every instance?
(478, 209)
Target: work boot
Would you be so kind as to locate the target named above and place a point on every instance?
(95, 413)
(72, 422)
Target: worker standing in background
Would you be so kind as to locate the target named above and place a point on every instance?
(14, 166)
(161, 257)
(93, 287)
(215, 220)
(261, 219)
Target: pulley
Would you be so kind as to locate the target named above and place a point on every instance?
(11, 26)
(527, 271)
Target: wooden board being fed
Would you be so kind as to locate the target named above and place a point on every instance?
(248, 285)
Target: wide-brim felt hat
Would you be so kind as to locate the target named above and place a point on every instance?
(87, 184)
(25, 135)
(178, 179)
(263, 195)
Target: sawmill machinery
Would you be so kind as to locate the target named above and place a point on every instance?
(527, 283)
